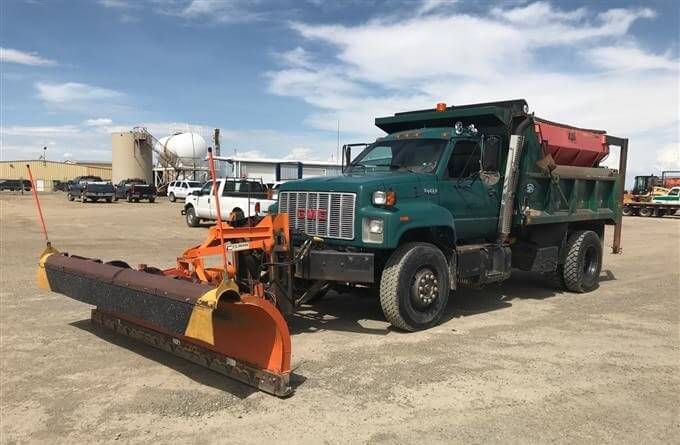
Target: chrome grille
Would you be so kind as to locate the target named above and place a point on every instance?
(338, 208)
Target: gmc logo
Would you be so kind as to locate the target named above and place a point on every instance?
(312, 214)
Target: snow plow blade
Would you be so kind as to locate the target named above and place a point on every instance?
(242, 336)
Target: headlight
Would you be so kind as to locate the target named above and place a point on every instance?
(375, 226)
(381, 198)
(372, 230)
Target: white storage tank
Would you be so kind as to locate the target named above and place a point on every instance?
(189, 148)
(131, 157)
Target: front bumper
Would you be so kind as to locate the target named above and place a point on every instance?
(333, 265)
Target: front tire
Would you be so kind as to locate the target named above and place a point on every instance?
(70, 197)
(627, 211)
(172, 197)
(152, 199)
(583, 262)
(414, 287)
(192, 219)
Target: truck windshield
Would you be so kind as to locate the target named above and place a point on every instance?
(415, 155)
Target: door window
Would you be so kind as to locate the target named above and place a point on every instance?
(464, 160)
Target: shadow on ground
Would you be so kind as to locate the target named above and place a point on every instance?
(347, 311)
(195, 372)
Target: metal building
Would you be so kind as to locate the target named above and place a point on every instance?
(274, 170)
(47, 173)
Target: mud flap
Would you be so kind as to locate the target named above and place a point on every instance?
(239, 335)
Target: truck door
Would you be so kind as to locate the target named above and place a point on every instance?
(203, 201)
(467, 193)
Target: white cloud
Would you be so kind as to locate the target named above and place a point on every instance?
(116, 4)
(9, 55)
(75, 96)
(669, 157)
(217, 11)
(561, 61)
(631, 57)
(428, 6)
(21, 130)
(99, 122)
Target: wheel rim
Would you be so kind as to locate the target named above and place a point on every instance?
(424, 288)
(190, 216)
(590, 263)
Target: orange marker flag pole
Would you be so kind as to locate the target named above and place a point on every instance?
(37, 204)
(211, 164)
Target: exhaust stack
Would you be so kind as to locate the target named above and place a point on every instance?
(510, 182)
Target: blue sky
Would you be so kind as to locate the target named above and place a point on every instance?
(276, 76)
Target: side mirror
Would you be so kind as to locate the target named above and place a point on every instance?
(491, 154)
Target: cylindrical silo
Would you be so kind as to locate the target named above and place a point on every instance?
(132, 157)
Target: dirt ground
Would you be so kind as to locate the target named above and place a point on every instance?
(513, 363)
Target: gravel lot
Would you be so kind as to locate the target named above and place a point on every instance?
(512, 363)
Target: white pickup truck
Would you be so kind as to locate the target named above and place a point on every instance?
(239, 198)
(182, 188)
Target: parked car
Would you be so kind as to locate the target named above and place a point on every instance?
(182, 188)
(134, 189)
(91, 188)
(15, 184)
(239, 198)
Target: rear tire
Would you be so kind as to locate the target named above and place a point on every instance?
(191, 218)
(152, 199)
(583, 262)
(414, 287)
(70, 197)
(172, 197)
(555, 278)
(129, 198)
(108, 200)
(645, 211)
(627, 211)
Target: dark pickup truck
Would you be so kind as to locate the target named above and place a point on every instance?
(134, 189)
(15, 184)
(91, 188)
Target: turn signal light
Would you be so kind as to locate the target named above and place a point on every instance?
(441, 107)
(390, 198)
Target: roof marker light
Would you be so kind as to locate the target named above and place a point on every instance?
(441, 107)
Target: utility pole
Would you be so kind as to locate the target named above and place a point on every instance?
(216, 137)
(44, 156)
(337, 146)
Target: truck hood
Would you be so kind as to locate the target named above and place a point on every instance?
(352, 182)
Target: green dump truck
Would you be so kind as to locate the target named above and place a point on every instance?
(455, 197)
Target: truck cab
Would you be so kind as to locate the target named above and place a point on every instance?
(239, 199)
(672, 197)
(456, 196)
